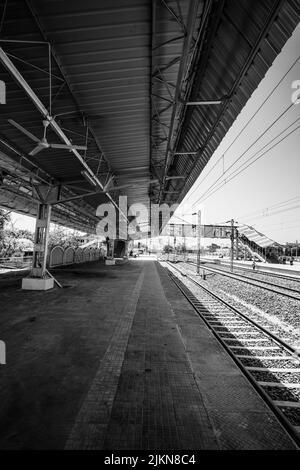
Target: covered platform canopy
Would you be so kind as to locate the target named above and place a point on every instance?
(150, 88)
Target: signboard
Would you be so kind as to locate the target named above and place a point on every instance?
(189, 230)
(216, 231)
(179, 230)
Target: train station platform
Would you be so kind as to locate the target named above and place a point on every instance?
(118, 359)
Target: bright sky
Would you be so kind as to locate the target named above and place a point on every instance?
(25, 222)
(271, 180)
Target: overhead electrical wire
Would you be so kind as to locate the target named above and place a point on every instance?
(247, 150)
(180, 218)
(268, 208)
(271, 213)
(211, 190)
(285, 228)
(277, 224)
(233, 175)
(266, 211)
(283, 210)
(247, 124)
(243, 169)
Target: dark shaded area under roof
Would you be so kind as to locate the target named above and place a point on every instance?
(121, 74)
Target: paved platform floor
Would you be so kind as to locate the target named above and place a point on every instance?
(119, 360)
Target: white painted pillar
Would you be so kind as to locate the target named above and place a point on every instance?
(41, 238)
(39, 278)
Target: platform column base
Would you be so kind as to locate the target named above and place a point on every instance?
(202, 274)
(32, 283)
(110, 262)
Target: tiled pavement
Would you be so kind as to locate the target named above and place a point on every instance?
(158, 404)
(177, 388)
(121, 361)
(90, 426)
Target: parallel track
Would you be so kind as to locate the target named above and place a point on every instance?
(266, 285)
(239, 335)
(259, 272)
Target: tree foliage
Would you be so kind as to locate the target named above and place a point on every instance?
(4, 219)
(11, 238)
(64, 238)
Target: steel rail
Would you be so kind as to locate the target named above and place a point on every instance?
(231, 307)
(265, 282)
(265, 273)
(289, 428)
(254, 282)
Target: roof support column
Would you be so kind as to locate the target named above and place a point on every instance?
(39, 278)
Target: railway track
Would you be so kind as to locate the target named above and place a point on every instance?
(259, 272)
(245, 269)
(276, 288)
(271, 364)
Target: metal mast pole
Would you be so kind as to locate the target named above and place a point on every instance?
(236, 245)
(232, 245)
(198, 242)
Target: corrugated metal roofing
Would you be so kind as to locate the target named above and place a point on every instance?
(254, 236)
(115, 66)
(241, 42)
(103, 73)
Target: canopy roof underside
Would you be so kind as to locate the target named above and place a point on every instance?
(122, 75)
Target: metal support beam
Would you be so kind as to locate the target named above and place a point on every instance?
(163, 80)
(244, 69)
(185, 153)
(43, 110)
(192, 16)
(174, 14)
(163, 110)
(169, 41)
(162, 98)
(203, 103)
(78, 196)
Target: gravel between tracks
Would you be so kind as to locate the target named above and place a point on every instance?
(282, 393)
(278, 314)
(266, 376)
(251, 362)
(255, 357)
(293, 414)
(261, 277)
(227, 330)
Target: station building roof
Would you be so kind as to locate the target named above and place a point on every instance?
(122, 76)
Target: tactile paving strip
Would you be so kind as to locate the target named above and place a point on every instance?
(90, 425)
(159, 406)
